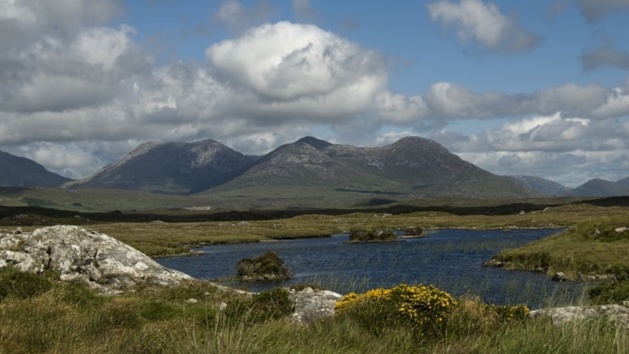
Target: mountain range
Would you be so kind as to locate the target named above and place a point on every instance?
(412, 167)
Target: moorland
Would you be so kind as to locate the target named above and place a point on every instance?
(71, 318)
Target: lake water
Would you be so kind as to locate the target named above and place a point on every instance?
(450, 259)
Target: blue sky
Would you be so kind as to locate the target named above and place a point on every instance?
(517, 87)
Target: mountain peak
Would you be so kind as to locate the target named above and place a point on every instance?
(314, 142)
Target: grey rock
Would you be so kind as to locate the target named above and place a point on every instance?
(563, 315)
(83, 255)
(559, 276)
(311, 305)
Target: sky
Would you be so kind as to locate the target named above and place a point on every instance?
(537, 88)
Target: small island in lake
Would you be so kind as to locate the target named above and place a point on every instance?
(268, 266)
(376, 234)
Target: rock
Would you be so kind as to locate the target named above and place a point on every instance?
(559, 276)
(268, 266)
(191, 301)
(311, 305)
(494, 263)
(83, 255)
(621, 229)
(562, 315)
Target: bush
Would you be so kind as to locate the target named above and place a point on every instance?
(22, 285)
(420, 306)
(610, 292)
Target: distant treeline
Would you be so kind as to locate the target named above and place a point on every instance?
(179, 216)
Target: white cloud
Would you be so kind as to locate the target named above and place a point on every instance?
(483, 23)
(287, 61)
(103, 46)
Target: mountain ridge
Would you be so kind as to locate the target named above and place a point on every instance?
(16, 171)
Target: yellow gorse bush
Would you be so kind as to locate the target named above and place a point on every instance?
(424, 306)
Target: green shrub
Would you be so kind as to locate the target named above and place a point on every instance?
(610, 292)
(424, 307)
(22, 285)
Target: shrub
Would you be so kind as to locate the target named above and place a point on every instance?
(424, 307)
(610, 292)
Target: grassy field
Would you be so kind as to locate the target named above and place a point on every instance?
(70, 318)
(598, 246)
(160, 238)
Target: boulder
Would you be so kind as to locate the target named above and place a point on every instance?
(84, 255)
(268, 266)
(311, 305)
(559, 277)
(562, 315)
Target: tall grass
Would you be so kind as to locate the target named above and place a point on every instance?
(71, 318)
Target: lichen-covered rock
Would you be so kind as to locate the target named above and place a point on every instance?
(562, 315)
(84, 255)
(312, 304)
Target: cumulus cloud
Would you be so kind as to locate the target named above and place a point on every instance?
(293, 67)
(483, 23)
(75, 96)
(605, 56)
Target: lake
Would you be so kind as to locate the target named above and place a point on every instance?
(450, 259)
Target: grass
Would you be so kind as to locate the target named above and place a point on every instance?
(46, 316)
(70, 318)
(160, 238)
(589, 247)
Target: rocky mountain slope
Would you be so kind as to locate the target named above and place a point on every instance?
(542, 185)
(170, 168)
(601, 188)
(412, 167)
(21, 172)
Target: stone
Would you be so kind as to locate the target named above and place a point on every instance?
(80, 254)
(268, 266)
(559, 276)
(191, 301)
(312, 305)
(562, 315)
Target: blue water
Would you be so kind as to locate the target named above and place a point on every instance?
(448, 258)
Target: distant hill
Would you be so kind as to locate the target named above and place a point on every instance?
(412, 167)
(601, 188)
(18, 171)
(542, 185)
(179, 168)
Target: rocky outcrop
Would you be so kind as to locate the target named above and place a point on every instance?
(84, 255)
(562, 315)
(311, 305)
(268, 266)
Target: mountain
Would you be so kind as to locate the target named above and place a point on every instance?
(624, 181)
(542, 185)
(21, 172)
(413, 167)
(180, 168)
(601, 188)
